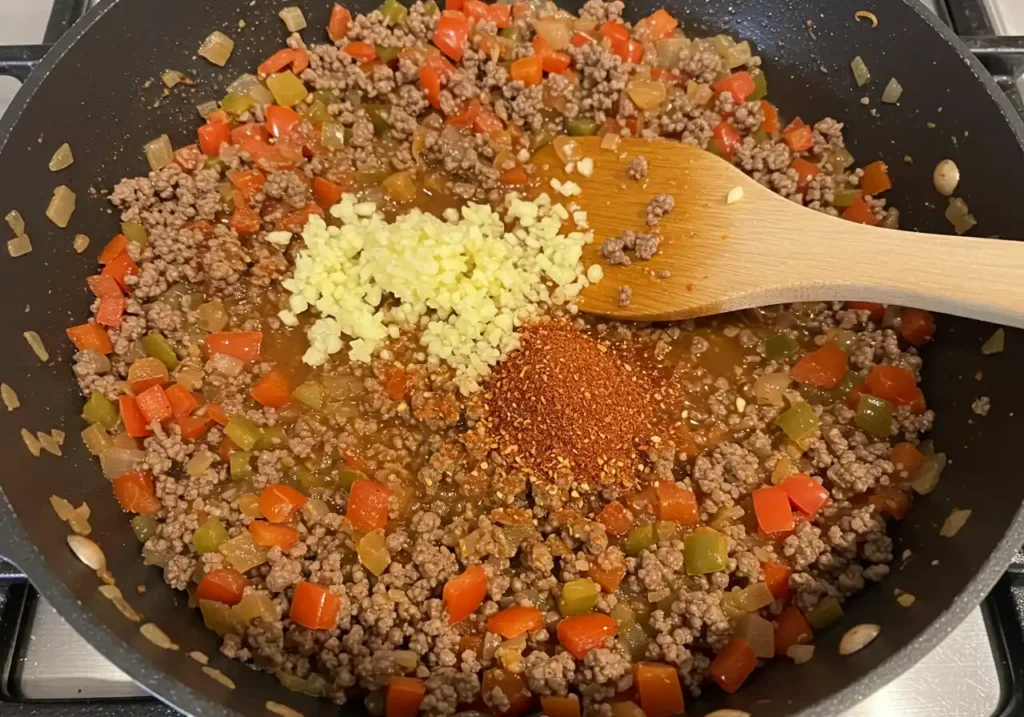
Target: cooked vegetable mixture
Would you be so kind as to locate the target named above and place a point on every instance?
(360, 421)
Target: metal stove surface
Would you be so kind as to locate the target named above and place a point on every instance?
(961, 677)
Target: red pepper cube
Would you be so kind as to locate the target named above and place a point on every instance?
(805, 493)
(771, 506)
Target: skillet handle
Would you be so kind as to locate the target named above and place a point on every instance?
(18, 61)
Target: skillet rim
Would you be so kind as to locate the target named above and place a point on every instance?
(177, 695)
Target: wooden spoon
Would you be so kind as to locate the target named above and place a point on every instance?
(764, 249)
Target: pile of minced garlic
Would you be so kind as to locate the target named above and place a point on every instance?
(467, 281)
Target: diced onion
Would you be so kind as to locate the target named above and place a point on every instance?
(737, 55)
(250, 85)
(61, 507)
(15, 222)
(857, 638)
(567, 148)
(905, 599)
(217, 48)
(768, 389)
(201, 657)
(58, 435)
(19, 246)
(669, 50)
(157, 636)
(293, 19)
(866, 15)
(758, 632)
(995, 343)
(81, 243)
(219, 676)
(800, 653)
(86, 550)
(205, 108)
(226, 365)
(288, 90)
(611, 141)
(159, 152)
(212, 316)
(647, 94)
(282, 710)
(556, 30)
(199, 463)
(31, 442)
(116, 460)
(61, 206)
(954, 523)
(927, 476)
(47, 443)
(62, 158)
(113, 594)
(959, 215)
(172, 78)
(861, 74)
(892, 92)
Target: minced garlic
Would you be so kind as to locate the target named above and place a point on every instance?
(467, 283)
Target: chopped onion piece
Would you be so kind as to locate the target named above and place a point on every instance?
(217, 675)
(669, 49)
(19, 246)
(199, 463)
(205, 108)
(995, 343)
(250, 85)
(800, 653)
(58, 435)
(113, 594)
(892, 92)
(946, 177)
(857, 638)
(36, 344)
(954, 523)
(15, 222)
(10, 398)
(769, 387)
(927, 476)
(611, 141)
(959, 215)
(282, 710)
(61, 507)
(861, 74)
(217, 48)
(30, 442)
(567, 148)
(647, 94)
(905, 599)
(81, 243)
(226, 365)
(157, 636)
(201, 657)
(61, 207)
(758, 632)
(556, 30)
(79, 520)
(116, 460)
(293, 19)
(62, 158)
(866, 15)
(159, 152)
(47, 443)
(171, 78)
(86, 550)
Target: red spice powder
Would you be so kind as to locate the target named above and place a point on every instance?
(568, 410)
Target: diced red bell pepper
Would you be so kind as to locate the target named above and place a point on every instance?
(661, 24)
(153, 404)
(243, 345)
(515, 621)
(222, 585)
(739, 84)
(733, 665)
(860, 213)
(314, 606)
(135, 424)
(528, 70)
(136, 493)
(213, 136)
(629, 50)
(430, 83)
(824, 367)
(771, 118)
(193, 427)
(776, 577)
(876, 311)
(791, 628)
(183, 402)
(326, 192)
(296, 57)
(500, 14)
(270, 535)
(452, 33)
(464, 593)
(368, 505)
(405, 694)
(120, 268)
(579, 634)
(907, 459)
(676, 504)
(244, 220)
(805, 493)
(104, 287)
(115, 247)
(273, 389)
(917, 326)
(726, 139)
(279, 502)
(805, 171)
(875, 179)
(798, 137)
(895, 384)
(337, 26)
(90, 336)
(615, 31)
(361, 51)
(617, 520)
(110, 311)
(772, 509)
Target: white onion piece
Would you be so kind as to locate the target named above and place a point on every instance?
(217, 48)
(61, 206)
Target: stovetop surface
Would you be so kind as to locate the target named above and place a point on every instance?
(978, 671)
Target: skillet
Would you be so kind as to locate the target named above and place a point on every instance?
(90, 91)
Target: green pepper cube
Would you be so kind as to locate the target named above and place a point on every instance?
(135, 233)
(243, 432)
(780, 347)
(760, 86)
(99, 409)
(209, 536)
(799, 422)
(158, 347)
(578, 597)
(639, 539)
(827, 612)
(705, 551)
(393, 12)
(874, 415)
(310, 394)
(581, 127)
(272, 437)
(240, 464)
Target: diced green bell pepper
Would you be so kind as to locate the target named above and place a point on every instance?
(760, 86)
(839, 159)
(99, 409)
(578, 597)
(209, 536)
(845, 197)
(271, 437)
(817, 396)
(311, 394)
(243, 432)
(634, 639)
(144, 527)
(827, 612)
(237, 104)
(799, 422)
(623, 614)
(510, 33)
(317, 112)
(665, 530)
(378, 115)
(387, 53)
(705, 551)
(874, 415)
(346, 477)
(780, 347)
(158, 347)
(581, 127)
(849, 381)
(430, 8)
(639, 539)
(240, 464)
(135, 233)
(308, 478)
(393, 12)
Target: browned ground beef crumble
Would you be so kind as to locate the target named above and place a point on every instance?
(443, 509)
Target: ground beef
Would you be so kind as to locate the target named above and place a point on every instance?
(658, 207)
(981, 406)
(625, 296)
(637, 168)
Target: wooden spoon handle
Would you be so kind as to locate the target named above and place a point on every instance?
(977, 278)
